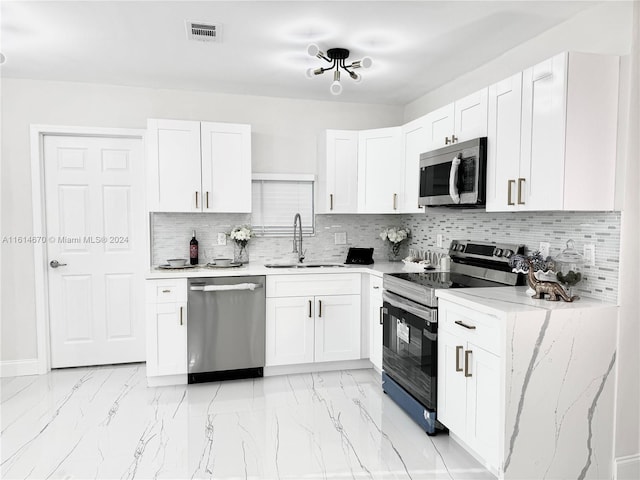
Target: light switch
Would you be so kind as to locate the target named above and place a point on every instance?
(340, 238)
(544, 249)
(589, 254)
(439, 240)
(222, 238)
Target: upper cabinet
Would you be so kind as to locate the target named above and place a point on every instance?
(379, 170)
(413, 143)
(198, 166)
(552, 136)
(462, 120)
(338, 173)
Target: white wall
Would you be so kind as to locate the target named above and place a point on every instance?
(605, 28)
(284, 133)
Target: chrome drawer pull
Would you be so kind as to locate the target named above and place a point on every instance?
(462, 324)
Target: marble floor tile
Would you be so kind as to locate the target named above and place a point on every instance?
(105, 423)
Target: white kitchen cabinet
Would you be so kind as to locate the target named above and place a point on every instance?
(166, 325)
(379, 170)
(503, 144)
(375, 321)
(462, 120)
(312, 318)
(338, 172)
(414, 142)
(568, 128)
(469, 378)
(198, 166)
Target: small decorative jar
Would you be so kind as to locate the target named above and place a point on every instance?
(568, 265)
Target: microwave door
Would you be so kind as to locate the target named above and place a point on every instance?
(434, 183)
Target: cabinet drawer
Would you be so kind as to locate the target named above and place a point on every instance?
(483, 330)
(165, 291)
(313, 284)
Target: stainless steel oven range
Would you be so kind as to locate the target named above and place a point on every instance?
(410, 322)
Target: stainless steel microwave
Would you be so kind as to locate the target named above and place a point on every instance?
(454, 176)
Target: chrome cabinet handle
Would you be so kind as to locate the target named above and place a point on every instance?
(462, 324)
(166, 291)
(395, 201)
(309, 308)
(447, 141)
(467, 353)
(207, 199)
(382, 315)
(509, 182)
(181, 309)
(196, 199)
(331, 201)
(458, 350)
(319, 308)
(56, 264)
(376, 287)
(520, 182)
(454, 139)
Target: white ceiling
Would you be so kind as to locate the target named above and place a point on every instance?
(416, 46)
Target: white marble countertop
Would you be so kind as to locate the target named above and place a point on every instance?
(257, 268)
(505, 300)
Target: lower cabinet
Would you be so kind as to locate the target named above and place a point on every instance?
(375, 321)
(166, 323)
(303, 327)
(469, 378)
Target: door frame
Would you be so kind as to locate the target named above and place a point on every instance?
(41, 283)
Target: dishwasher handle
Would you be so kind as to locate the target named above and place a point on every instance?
(223, 288)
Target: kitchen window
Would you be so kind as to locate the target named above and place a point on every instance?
(276, 198)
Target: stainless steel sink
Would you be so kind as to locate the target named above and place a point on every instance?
(304, 265)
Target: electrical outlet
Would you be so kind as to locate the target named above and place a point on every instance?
(544, 249)
(589, 254)
(340, 238)
(222, 238)
(439, 240)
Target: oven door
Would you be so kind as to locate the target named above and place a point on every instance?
(454, 175)
(410, 333)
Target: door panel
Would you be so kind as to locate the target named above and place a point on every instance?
(471, 116)
(289, 333)
(94, 195)
(337, 328)
(452, 389)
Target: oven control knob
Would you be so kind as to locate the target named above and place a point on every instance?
(507, 253)
(498, 252)
(460, 247)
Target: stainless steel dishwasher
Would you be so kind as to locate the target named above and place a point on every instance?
(226, 332)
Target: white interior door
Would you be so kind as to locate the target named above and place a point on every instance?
(94, 197)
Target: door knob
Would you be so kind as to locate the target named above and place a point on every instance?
(56, 264)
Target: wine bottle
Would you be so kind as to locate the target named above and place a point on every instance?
(193, 250)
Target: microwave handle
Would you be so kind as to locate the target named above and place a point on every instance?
(453, 179)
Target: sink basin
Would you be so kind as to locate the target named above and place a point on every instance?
(303, 265)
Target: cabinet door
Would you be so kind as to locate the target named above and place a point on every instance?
(440, 127)
(483, 403)
(167, 347)
(470, 116)
(503, 144)
(414, 142)
(226, 167)
(337, 328)
(379, 170)
(452, 387)
(341, 188)
(540, 185)
(289, 331)
(173, 166)
(375, 322)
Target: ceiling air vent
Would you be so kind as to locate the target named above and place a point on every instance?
(203, 32)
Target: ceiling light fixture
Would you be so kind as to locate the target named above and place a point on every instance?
(336, 57)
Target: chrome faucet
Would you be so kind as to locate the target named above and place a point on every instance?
(297, 245)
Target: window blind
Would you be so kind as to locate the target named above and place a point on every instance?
(275, 203)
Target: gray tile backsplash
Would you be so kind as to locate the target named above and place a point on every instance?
(171, 233)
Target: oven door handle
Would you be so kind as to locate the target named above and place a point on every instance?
(453, 179)
(416, 309)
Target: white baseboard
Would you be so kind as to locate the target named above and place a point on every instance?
(316, 367)
(15, 368)
(166, 380)
(627, 468)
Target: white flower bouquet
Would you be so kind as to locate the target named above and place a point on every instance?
(241, 234)
(395, 236)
